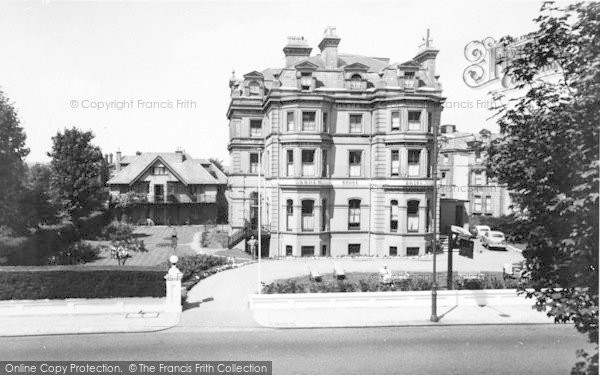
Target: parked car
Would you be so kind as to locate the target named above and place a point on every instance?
(494, 239)
(481, 230)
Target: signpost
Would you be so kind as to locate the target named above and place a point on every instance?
(461, 238)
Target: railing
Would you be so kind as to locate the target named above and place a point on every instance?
(239, 235)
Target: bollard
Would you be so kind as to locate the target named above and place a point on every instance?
(173, 278)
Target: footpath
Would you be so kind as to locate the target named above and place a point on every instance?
(78, 316)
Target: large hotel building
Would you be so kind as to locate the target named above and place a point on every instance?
(345, 142)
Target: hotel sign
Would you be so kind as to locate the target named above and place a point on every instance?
(358, 183)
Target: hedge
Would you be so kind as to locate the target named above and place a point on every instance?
(62, 282)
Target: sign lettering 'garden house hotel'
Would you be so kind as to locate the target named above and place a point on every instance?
(346, 143)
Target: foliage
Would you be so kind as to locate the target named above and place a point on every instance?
(84, 282)
(218, 163)
(92, 226)
(12, 167)
(128, 199)
(78, 253)
(371, 283)
(117, 231)
(192, 266)
(222, 206)
(35, 202)
(77, 181)
(130, 244)
(513, 226)
(548, 156)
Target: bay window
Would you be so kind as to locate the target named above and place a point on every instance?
(354, 214)
(308, 163)
(308, 121)
(308, 215)
(414, 157)
(412, 215)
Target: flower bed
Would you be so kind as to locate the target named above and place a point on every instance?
(371, 282)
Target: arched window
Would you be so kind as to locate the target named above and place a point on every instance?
(254, 88)
(356, 82)
(308, 216)
(354, 214)
(412, 215)
(289, 209)
(394, 216)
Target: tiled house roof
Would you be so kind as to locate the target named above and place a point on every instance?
(189, 171)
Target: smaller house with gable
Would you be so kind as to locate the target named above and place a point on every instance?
(169, 188)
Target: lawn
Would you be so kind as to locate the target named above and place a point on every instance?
(157, 240)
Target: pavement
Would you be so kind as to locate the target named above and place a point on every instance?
(78, 316)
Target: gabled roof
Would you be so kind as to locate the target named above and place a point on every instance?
(253, 74)
(187, 170)
(409, 64)
(356, 67)
(306, 65)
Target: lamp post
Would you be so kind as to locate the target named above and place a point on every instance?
(259, 221)
(434, 317)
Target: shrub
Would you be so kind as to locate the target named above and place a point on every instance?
(17, 250)
(78, 253)
(286, 287)
(92, 226)
(85, 282)
(130, 244)
(117, 231)
(195, 265)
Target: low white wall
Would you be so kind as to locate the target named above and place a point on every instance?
(83, 306)
(495, 297)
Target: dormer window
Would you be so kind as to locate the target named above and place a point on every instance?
(305, 81)
(409, 80)
(254, 88)
(356, 82)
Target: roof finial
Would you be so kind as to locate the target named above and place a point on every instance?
(427, 41)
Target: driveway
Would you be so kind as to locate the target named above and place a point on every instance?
(229, 290)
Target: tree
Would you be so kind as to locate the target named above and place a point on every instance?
(218, 163)
(35, 203)
(12, 167)
(548, 156)
(77, 173)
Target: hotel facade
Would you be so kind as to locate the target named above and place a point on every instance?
(345, 145)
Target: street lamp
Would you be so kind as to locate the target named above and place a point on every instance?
(259, 220)
(434, 317)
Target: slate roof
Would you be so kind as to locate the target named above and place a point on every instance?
(375, 64)
(189, 171)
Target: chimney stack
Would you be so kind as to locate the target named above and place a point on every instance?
(426, 57)
(118, 162)
(295, 50)
(328, 47)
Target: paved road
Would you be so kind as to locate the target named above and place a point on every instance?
(522, 349)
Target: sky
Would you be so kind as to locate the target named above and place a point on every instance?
(153, 76)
